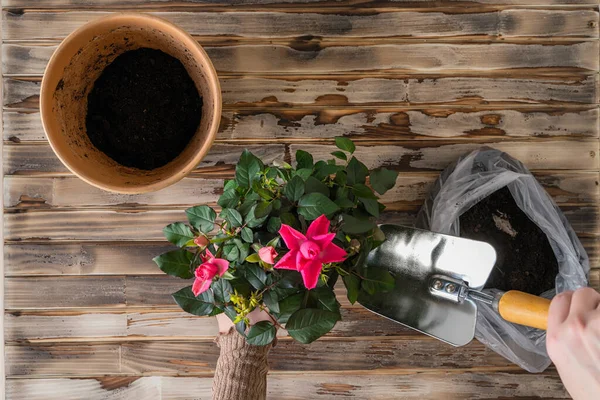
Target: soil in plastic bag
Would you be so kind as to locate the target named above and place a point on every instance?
(144, 109)
(525, 260)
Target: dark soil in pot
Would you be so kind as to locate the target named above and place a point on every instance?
(143, 109)
(525, 261)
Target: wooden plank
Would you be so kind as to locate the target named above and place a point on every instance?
(83, 258)
(80, 359)
(45, 25)
(283, 4)
(43, 259)
(199, 357)
(567, 188)
(25, 192)
(76, 292)
(398, 123)
(101, 225)
(41, 159)
(289, 91)
(31, 59)
(91, 325)
(405, 156)
(150, 291)
(450, 385)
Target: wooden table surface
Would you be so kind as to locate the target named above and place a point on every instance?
(415, 83)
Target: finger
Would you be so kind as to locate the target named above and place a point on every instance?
(584, 300)
(559, 310)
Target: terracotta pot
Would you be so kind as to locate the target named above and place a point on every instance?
(70, 76)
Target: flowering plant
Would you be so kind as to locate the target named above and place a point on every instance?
(283, 237)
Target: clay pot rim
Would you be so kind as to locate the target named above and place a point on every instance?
(195, 49)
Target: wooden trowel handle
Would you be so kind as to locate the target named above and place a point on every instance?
(524, 309)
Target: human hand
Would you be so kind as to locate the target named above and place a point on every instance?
(257, 315)
(573, 341)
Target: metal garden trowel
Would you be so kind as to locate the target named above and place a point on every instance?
(438, 283)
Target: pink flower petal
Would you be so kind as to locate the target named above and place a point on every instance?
(200, 286)
(323, 240)
(333, 253)
(310, 273)
(267, 254)
(319, 226)
(292, 238)
(288, 261)
(222, 265)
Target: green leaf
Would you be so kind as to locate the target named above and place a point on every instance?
(247, 169)
(313, 185)
(353, 225)
(202, 218)
(244, 248)
(262, 192)
(340, 154)
(352, 283)
(232, 216)
(377, 280)
(231, 252)
(201, 305)
(345, 144)
(252, 221)
(247, 235)
(304, 159)
(175, 263)
(270, 300)
(230, 185)
(253, 258)
(357, 172)
(274, 242)
(229, 199)
(304, 173)
(240, 326)
(288, 306)
(288, 219)
(342, 198)
(325, 299)
(323, 170)
(178, 233)
(309, 324)
(371, 205)
(263, 209)
(294, 189)
(256, 276)
(274, 224)
(261, 334)
(220, 238)
(313, 205)
(228, 275)
(222, 290)
(361, 190)
(383, 179)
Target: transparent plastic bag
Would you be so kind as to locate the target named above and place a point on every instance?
(463, 184)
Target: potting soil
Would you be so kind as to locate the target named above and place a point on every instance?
(525, 260)
(143, 109)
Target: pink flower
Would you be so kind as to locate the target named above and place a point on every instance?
(308, 253)
(201, 241)
(205, 273)
(267, 254)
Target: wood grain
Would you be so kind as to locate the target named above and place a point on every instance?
(60, 259)
(331, 90)
(539, 154)
(450, 386)
(114, 292)
(31, 59)
(505, 24)
(199, 357)
(138, 225)
(397, 123)
(169, 324)
(284, 4)
(22, 192)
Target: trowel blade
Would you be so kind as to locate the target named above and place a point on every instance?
(413, 256)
